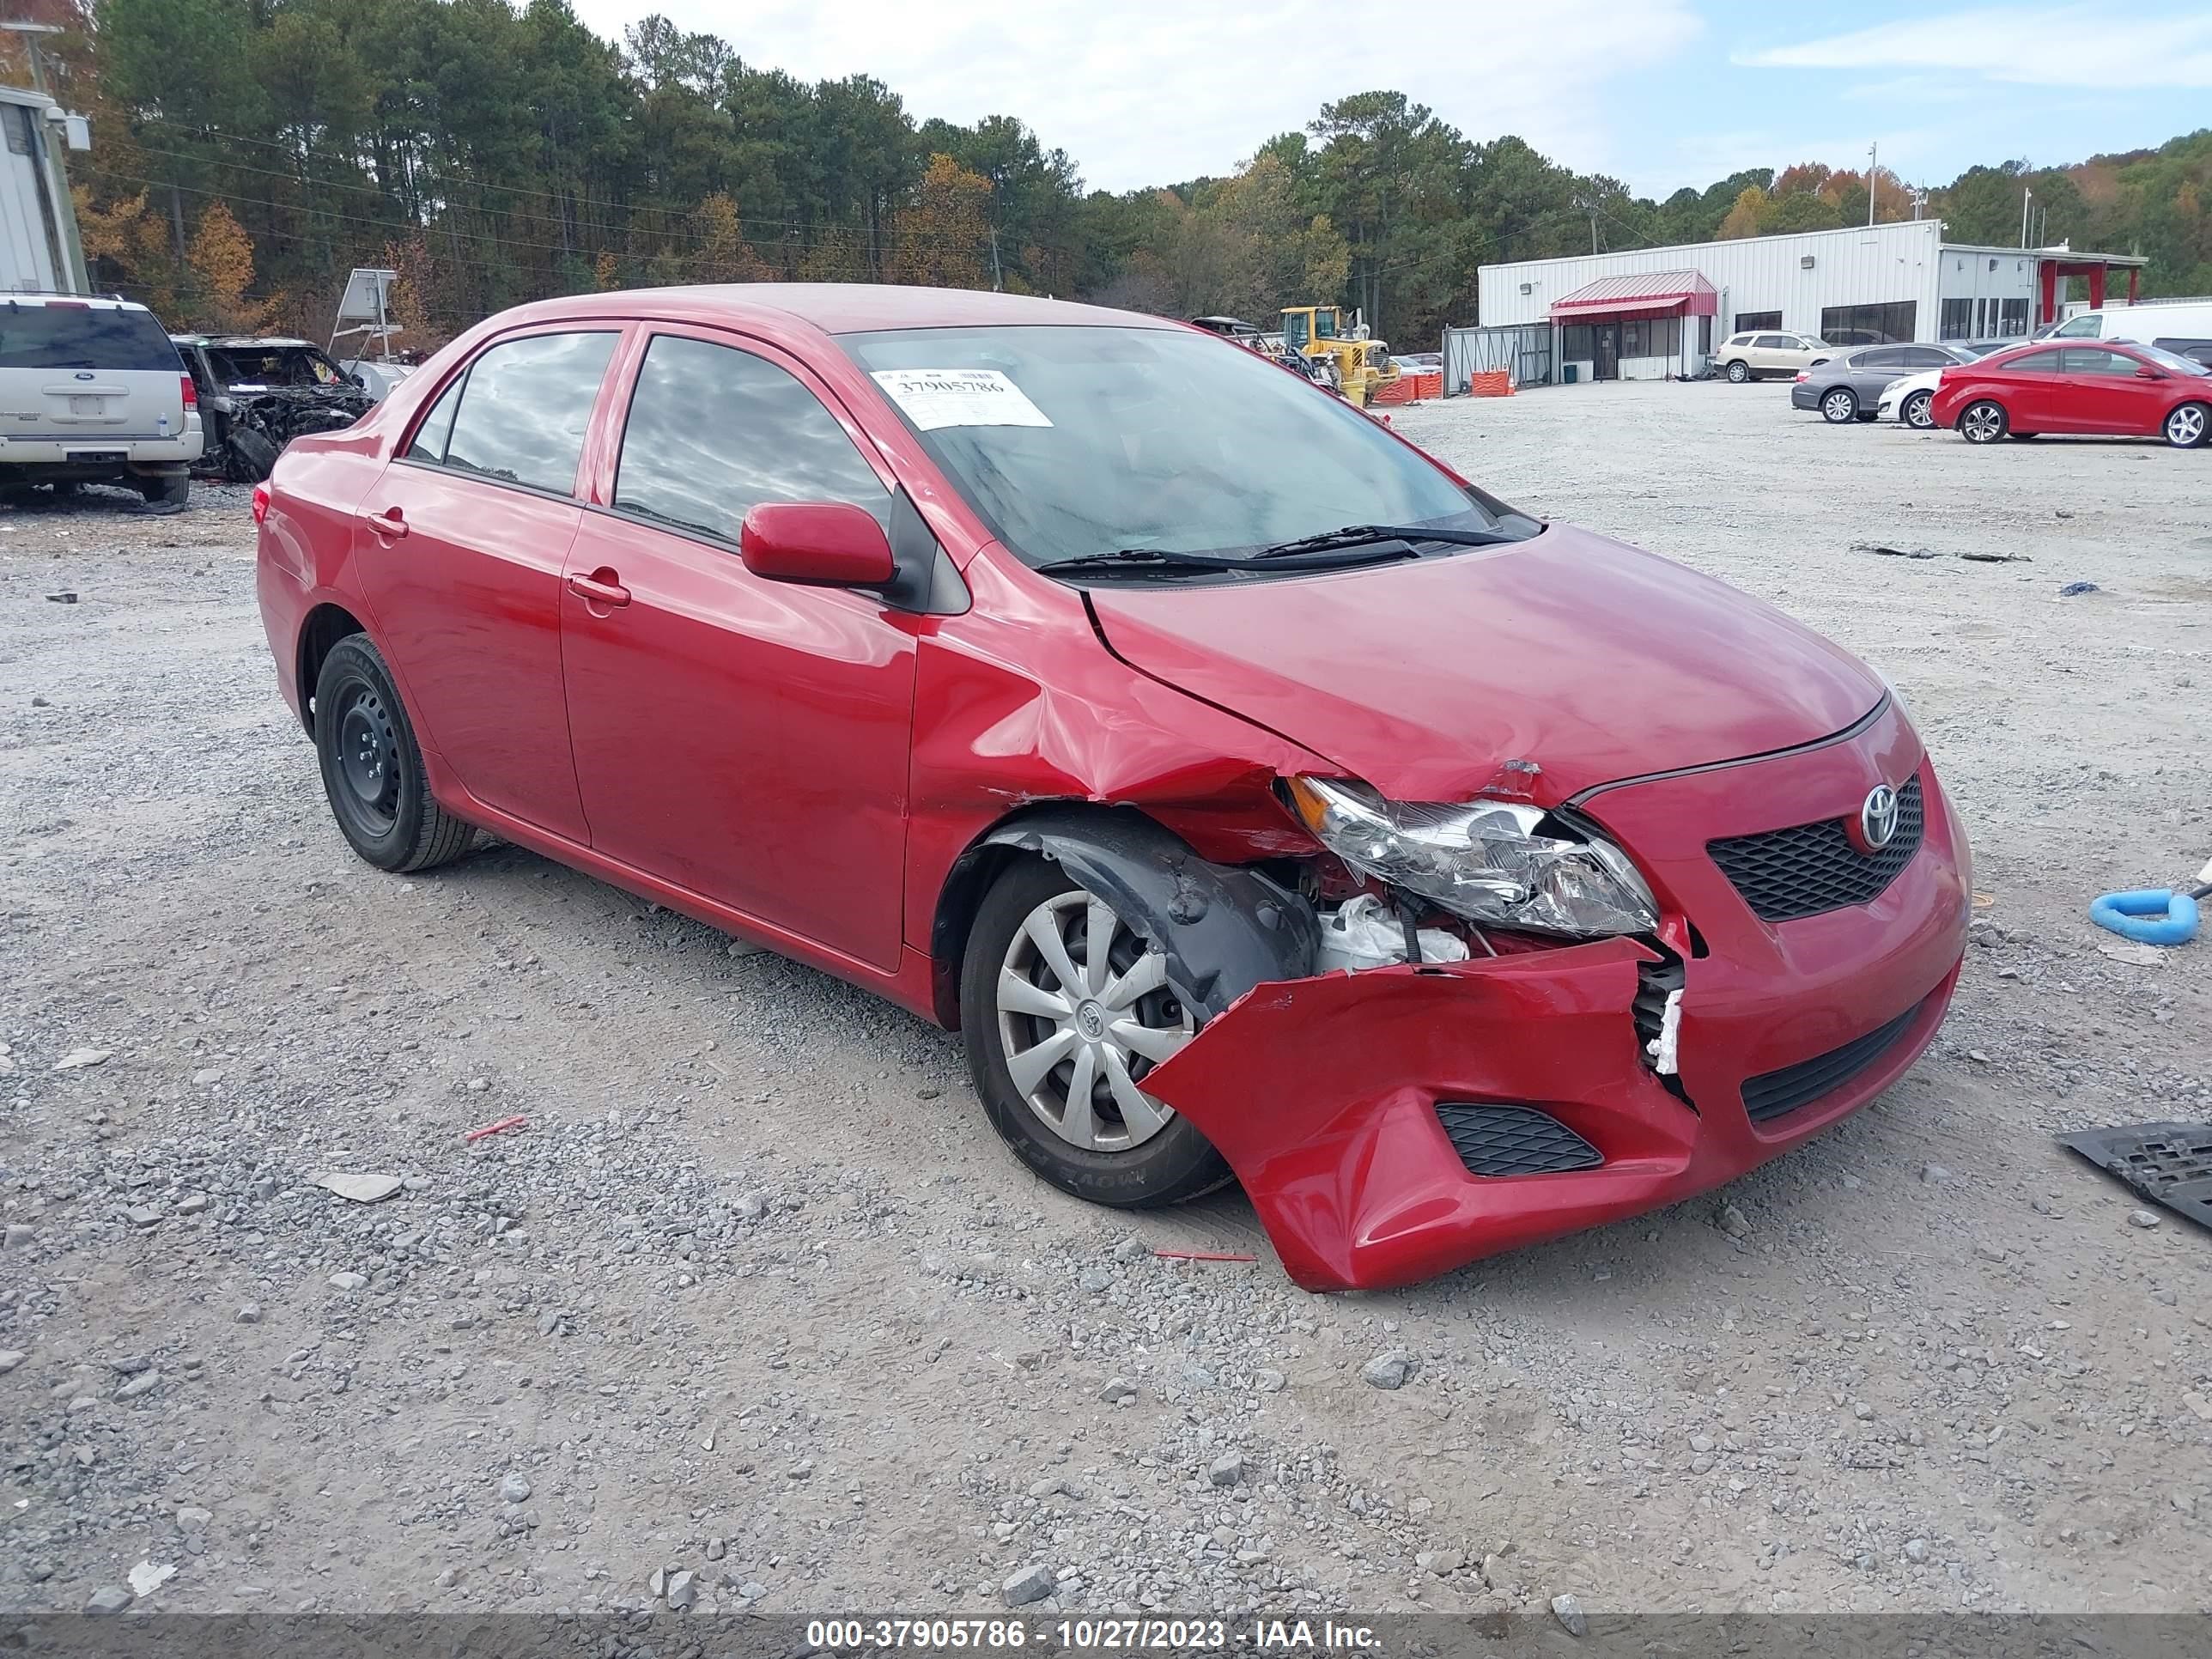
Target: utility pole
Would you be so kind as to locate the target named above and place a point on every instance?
(2026, 197)
(30, 32)
(997, 278)
(1872, 151)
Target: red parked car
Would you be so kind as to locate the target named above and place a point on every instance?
(1256, 796)
(2112, 387)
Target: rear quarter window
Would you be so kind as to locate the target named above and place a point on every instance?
(84, 337)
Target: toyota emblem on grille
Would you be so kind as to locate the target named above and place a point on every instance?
(1878, 818)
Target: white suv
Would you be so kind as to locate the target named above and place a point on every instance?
(1758, 351)
(91, 391)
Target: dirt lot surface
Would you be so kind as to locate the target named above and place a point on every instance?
(757, 1298)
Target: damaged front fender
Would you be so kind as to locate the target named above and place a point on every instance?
(1224, 929)
(1321, 1093)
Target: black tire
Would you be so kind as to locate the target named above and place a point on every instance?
(249, 457)
(1174, 1166)
(1914, 412)
(166, 490)
(1839, 406)
(373, 767)
(1984, 420)
(2183, 433)
(1738, 372)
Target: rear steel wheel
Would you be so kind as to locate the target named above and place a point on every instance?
(372, 767)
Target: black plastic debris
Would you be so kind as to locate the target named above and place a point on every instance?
(2168, 1163)
(2072, 588)
(1888, 551)
(62, 598)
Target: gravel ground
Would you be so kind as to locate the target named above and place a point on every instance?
(756, 1298)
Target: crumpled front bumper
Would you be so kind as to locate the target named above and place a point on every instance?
(1321, 1093)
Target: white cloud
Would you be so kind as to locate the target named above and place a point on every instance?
(1155, 91)
(2106, 47)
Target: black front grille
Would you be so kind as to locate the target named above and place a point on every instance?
(1773, 1094)
(1514, 1140)
(1784, 874)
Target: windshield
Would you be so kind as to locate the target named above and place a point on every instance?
(1076, 442)
(273, 365)
(2170, 360)
(73, 334)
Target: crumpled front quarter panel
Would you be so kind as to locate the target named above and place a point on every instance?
(1320, 1093)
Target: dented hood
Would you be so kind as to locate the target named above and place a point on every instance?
(1591, 658)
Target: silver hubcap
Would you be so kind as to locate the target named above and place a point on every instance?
(1916, 410)
(1085, 1011)
(2185, 426)
(1839, 407)
(1982, 423)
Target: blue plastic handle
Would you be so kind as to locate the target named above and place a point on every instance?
(2149, 915)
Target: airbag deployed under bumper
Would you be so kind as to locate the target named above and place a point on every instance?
(1322, 1094)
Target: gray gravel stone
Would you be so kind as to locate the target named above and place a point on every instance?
(1228, 1469)
(108, 1601)
(2145, 1218)
(1569, 1612)
(9, 1359)
(1118, 1389)
(1915, 1549)
(249, 1313)
(515, 1489)
(1031, 1584)
(682, 1590)
(361, 1188)
(347, 1281)
(1387, 1370)
(191, 1519)
(145, 1383)
(19, 1235)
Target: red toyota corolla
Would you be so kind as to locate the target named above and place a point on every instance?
(1256, 796)
(2116, 388)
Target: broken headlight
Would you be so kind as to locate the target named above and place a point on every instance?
(1484, 860)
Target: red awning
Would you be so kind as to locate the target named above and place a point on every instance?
(1644, 294)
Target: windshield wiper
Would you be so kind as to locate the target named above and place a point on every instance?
(1364, 535)
(1161, 561)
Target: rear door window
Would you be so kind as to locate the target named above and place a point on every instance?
(524, 409)
(1774, 342)
(2030, 363)
(713, 430)
(83, 337)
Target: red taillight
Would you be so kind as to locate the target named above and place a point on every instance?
(260, 502)
(191, 392)
(1804, 375)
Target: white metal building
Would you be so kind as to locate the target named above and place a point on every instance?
(1656, 312)
(39, 251)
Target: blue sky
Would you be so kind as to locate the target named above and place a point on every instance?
(1658, 93)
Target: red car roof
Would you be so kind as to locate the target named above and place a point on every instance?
(833, 307)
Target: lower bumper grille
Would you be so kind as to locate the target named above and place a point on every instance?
(1514, 1140)
(1776, 1094)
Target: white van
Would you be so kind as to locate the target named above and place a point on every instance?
(2183, 328)
(91, 391)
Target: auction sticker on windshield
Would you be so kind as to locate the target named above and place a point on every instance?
(934, 397)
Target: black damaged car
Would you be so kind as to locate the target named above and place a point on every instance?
(257, 394)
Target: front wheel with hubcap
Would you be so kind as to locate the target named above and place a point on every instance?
(2185, 426)
(1839, 406)
(1738, 372)
(1982, 421)
(373, 767)
(1064, 1009)
(1915, 414)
